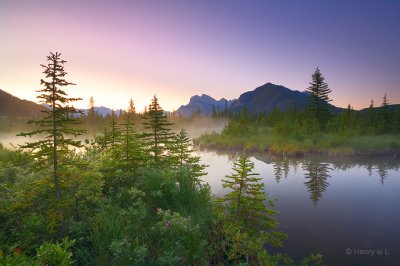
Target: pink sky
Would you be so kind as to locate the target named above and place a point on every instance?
(118, 50)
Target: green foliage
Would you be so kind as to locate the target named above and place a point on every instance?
(110, 196)
(158, 135)
(180, 242)
(319, 99)
(114, 135)
(312, 260)
(17, 259)
(118, 235)
(243, 222)
(176, 192)
(122, 153)
(57, 123)
(246, 196)
(46, 254)
(295, 132)
(55, 254)
(182, 158)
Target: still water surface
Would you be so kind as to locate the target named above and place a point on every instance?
(346, 209)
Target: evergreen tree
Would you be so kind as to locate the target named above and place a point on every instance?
(183, 157)
(131, 108)
(371, 114)
(91, 112)
(319, 99)
(58, 122)
(159, 135)
(114, 134)
(246, 198)
(246, 228)
(91, 118)
(386, 119)
(397, 120)
(131, 147)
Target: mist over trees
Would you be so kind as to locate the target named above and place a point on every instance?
(128, 197)
(134, 194)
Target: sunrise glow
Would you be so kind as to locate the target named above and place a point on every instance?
(177, 50)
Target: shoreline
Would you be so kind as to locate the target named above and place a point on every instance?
(240, 148)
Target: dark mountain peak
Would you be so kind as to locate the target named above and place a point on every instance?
(271, 87)
(12, 106)
(203, 104)
(203, 97)
(269, 96)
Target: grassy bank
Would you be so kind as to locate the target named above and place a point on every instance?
(324, 143)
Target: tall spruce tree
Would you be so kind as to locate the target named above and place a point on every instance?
(319, 99)
(57, 123)
(132, 150)
(247, 225)
(386, 119)
(91, 112)
(159, 133)
(183, 158)
(246, 198)
(131, 108)
(114, 135)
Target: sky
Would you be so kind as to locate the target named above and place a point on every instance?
(117, 50)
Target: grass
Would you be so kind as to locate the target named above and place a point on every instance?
(296, 144)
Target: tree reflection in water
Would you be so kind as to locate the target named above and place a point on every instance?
(281, 168)
(382, 172)
(316, 174)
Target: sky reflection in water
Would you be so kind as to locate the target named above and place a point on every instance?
(334, 206)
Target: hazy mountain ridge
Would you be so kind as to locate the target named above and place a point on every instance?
(204, 105)
(263, 99)
(15, 107)
(102, 110)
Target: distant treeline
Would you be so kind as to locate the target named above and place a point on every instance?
(317, 128)
(374, 120)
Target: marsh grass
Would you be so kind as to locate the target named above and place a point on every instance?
(292, 144)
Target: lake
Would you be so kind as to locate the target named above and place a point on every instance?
(344, 208)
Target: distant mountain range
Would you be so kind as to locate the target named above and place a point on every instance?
(204, 105)
(14, 107)
(260, 100)
(263, 99)
(103, 111)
